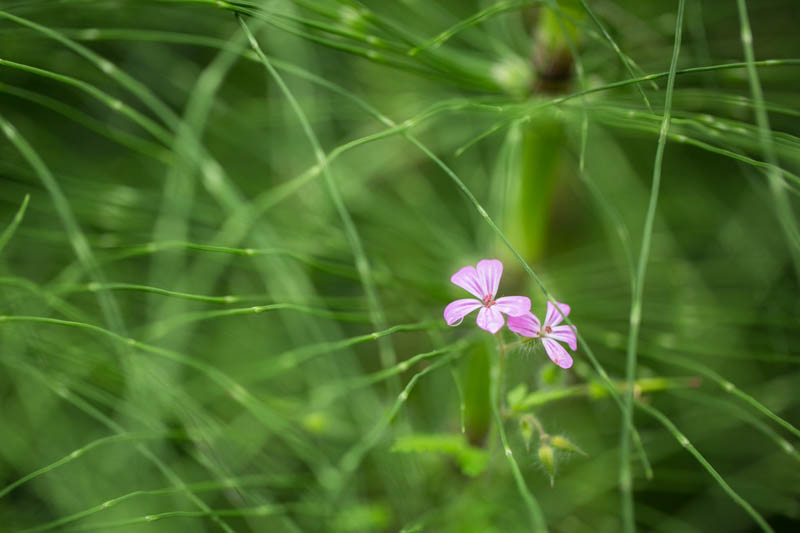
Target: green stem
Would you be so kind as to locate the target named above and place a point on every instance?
(595, 390)
(777, 186)
(530, 417)
(538, 523)
(684, 441)
(15, 222)
(625, 475)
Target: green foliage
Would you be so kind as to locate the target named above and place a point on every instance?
(471, 460)
(227, 230)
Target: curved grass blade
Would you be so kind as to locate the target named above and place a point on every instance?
(225, 484)
(477, 18)
(15, 222)
(726, 385)
(77, 239)
(121, 437)
(777, 186)
(387, 354)
(63, 392)
(622, 57)
(683, 441)
(353, 457)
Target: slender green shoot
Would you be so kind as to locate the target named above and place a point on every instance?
(15, 222)
(387, 354)
(684, 441)
(625, 476)
(122, 437)
(777, 186)
(538, 523)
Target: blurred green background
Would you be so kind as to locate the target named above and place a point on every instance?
(227, 231)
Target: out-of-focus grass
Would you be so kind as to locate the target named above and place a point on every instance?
(223, 272)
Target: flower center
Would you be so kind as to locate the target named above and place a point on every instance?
(548, 329)
(488, 301)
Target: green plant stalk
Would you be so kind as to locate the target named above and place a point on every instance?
(532, 194)
(15, 222)
(226, 484)
(543, 139)
(625, 475)
(596, 390)
(121, 437)
(478, 414)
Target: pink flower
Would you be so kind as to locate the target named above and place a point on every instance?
(528, 325)
(482, 283)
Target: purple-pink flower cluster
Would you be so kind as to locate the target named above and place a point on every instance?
(483, 282)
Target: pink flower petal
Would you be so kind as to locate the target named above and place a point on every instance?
(513, 305)
(557, 353)
(455, 311)
(553, 317)
(565, 334)
(468, 278)
(489, 272)
(526, 325)
(490, 319)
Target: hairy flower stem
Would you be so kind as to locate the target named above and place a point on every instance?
(497, 398)
(538, 425)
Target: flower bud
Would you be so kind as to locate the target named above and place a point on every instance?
(526, 429)
(560, 443)
(548, 459)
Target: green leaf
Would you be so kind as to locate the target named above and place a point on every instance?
(471, 460)
(516, 394)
